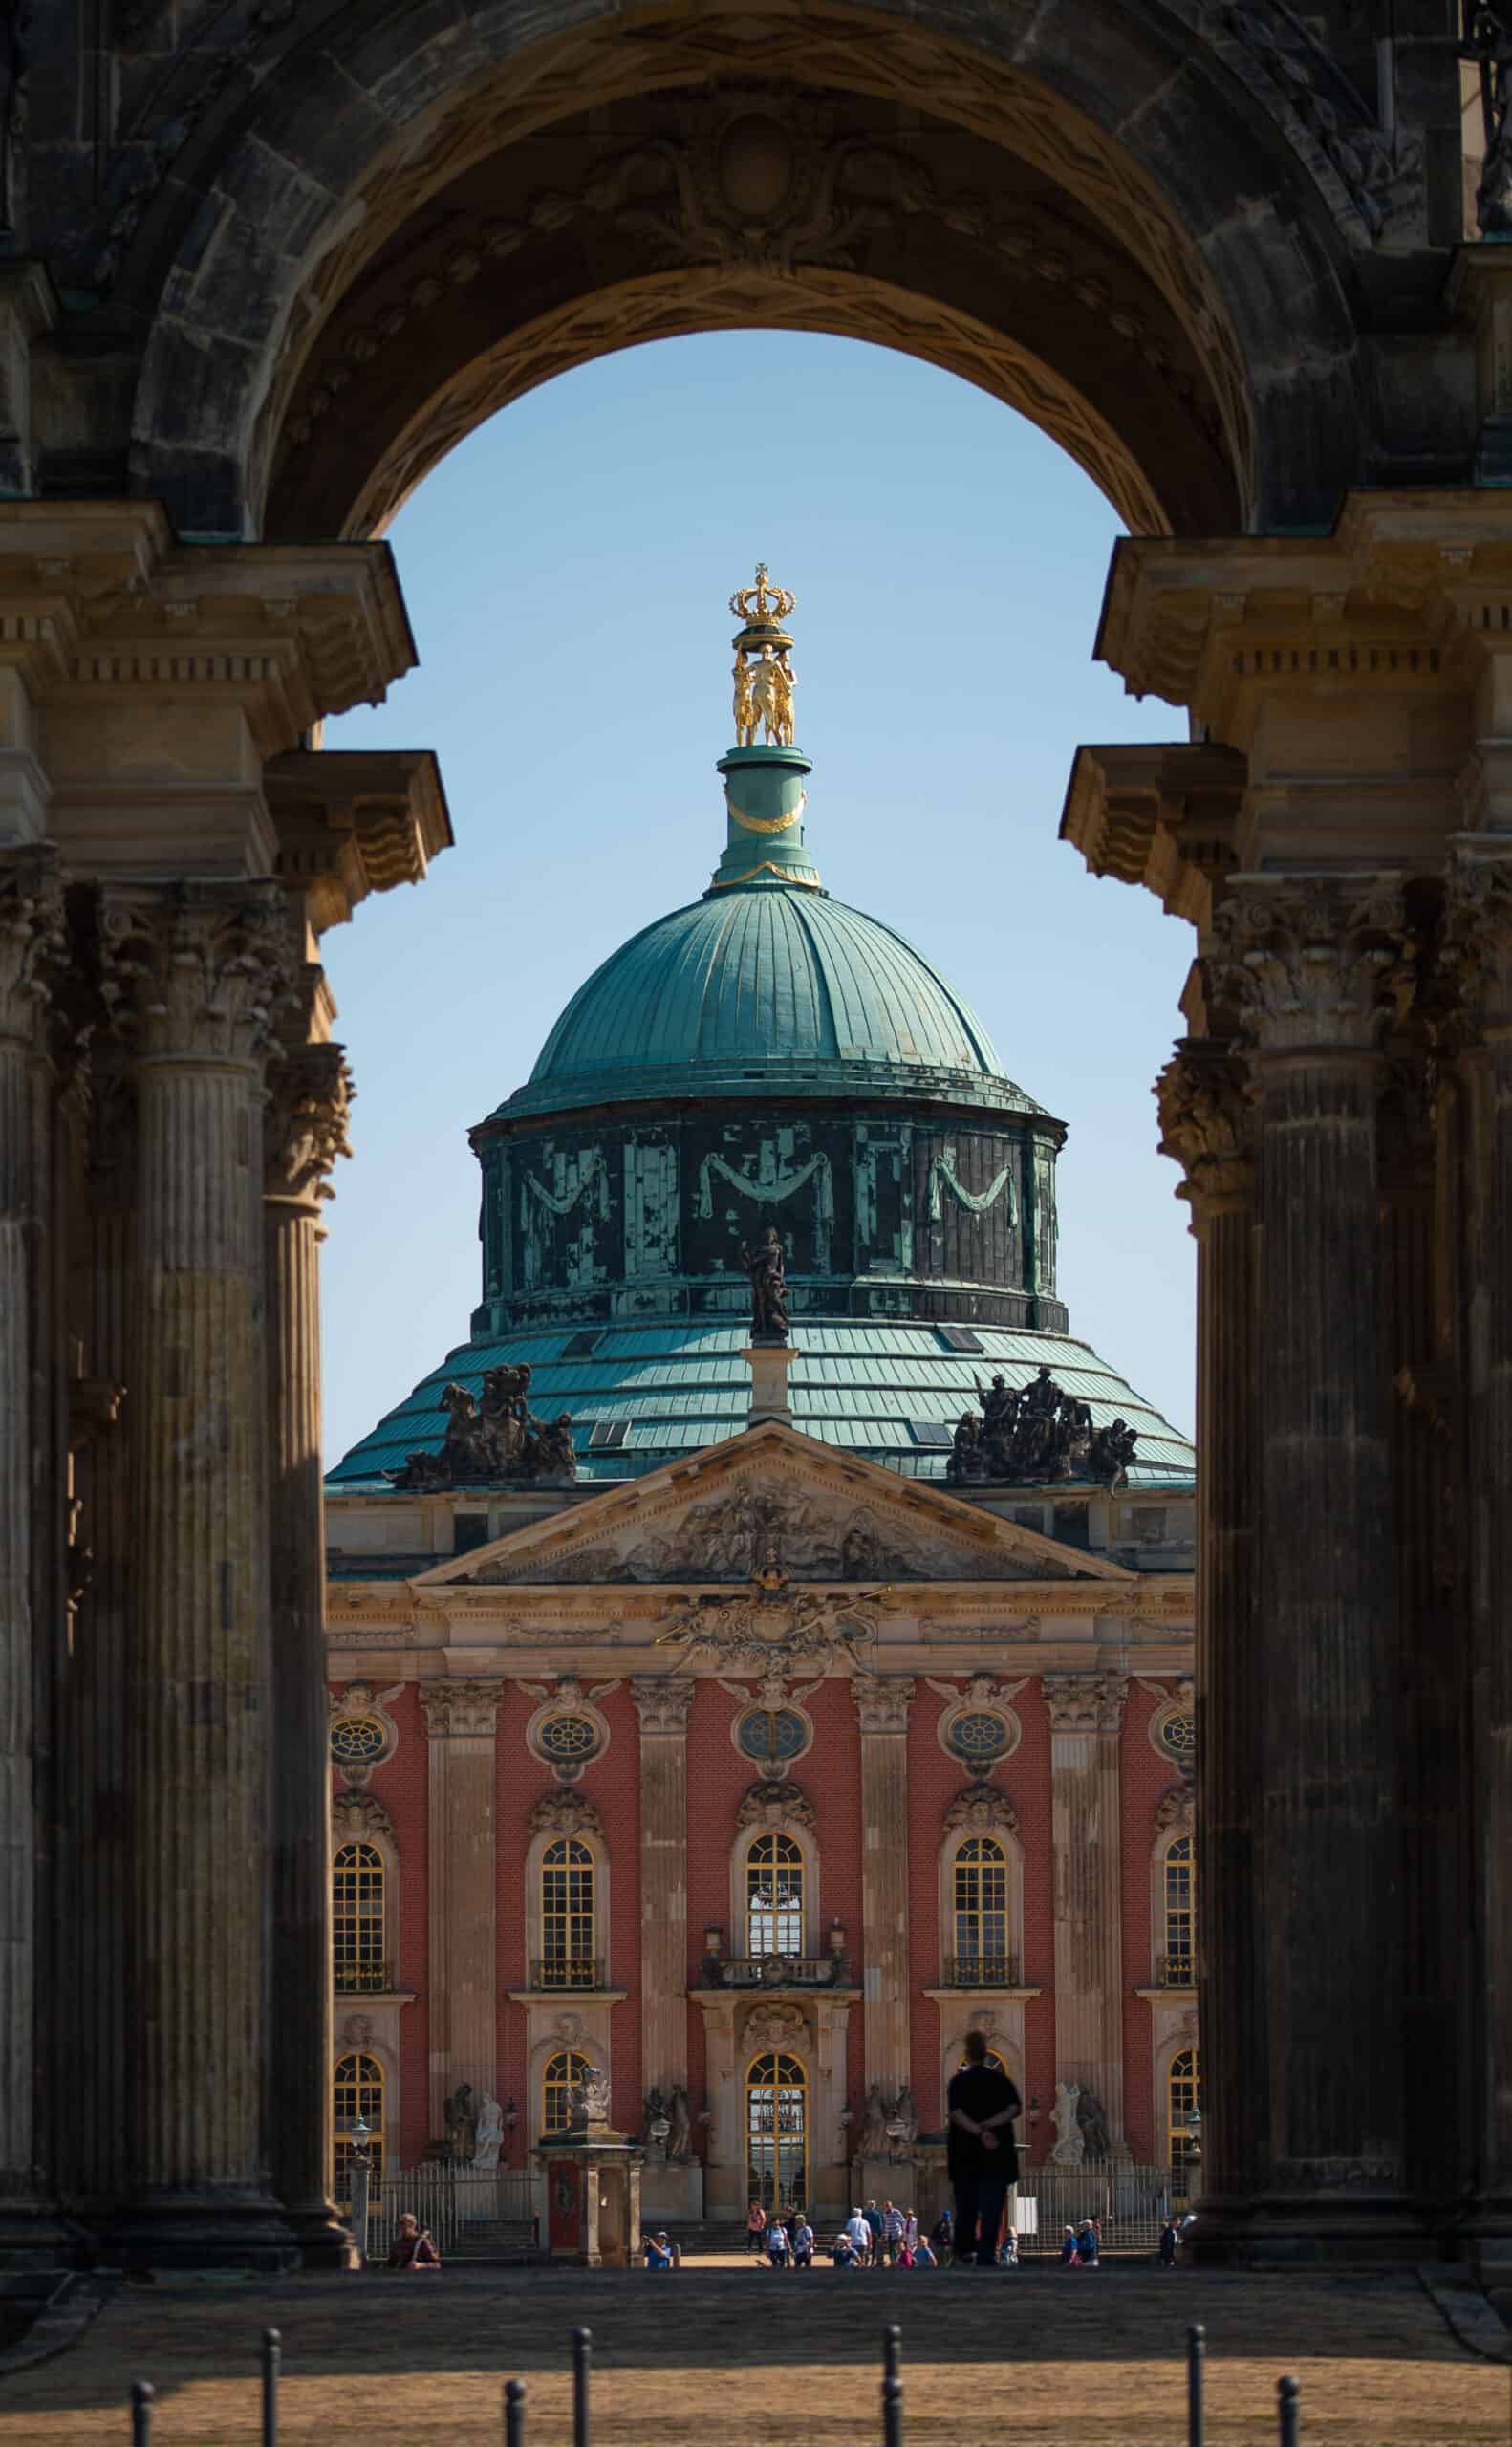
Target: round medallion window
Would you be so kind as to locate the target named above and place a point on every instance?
(1177, 1736)
(358, 1741)
(772, 1735)
(978, 1734)
(567, 1737)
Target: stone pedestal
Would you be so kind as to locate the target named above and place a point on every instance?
(768, 1363)
(593, 2198)
(671, 2193)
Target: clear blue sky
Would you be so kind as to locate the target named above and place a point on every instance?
(567, 572)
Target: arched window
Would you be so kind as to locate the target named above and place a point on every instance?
(773, 1895)
(991, 2058)
(358, 2096)
(568, 1951)
(560, 2079)
(980, 1911)
(1182, 2102)
(777, 2132)
(357, 1920)
(1177, 1911)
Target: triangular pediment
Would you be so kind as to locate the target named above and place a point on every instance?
(769, 1493)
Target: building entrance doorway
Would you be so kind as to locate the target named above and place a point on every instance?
(777, 2132)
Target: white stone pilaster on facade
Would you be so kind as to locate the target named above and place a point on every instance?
(1086, 1713)
(882, 1704)
(461, 1721)
(661, 1705)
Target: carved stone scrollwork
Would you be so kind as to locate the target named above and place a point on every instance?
(1085, 1702)
(460, 1707)
(310, 1092)
(1206, 1122)
(882, 1702)
(32, 937)
(1471, 981)
(356, 1815)
(1311, 964)
(773, 1803)
(661, 1701)
(214, 967)
(565, 1813)
(980, 1809)
(1176, 1809)
(779, 2026)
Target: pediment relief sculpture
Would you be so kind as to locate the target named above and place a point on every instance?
(778, 2026)
(773, 1630)
(980, 1809)
(1175, 1809)
(357, 1816)
(565, 1813)
(775, 1803)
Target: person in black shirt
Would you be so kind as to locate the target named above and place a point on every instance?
(980, 2153)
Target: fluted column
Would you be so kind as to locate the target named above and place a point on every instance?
(30, 943)
(882, 1704)
(304, 1132)
(211, 963)
(1206, 1124)
(661, 1704)
(463, 1985)
(1311, 964)
(1476, 1036)
(1086, 1713)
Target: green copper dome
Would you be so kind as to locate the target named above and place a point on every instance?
(766, 984)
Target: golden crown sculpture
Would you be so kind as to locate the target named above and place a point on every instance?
(761, 606)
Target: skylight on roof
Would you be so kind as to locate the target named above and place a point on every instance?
(960, 1338)
(931, 1432)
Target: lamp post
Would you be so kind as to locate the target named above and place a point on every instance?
(361, 2164)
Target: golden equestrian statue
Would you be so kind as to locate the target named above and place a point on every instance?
(764, 678)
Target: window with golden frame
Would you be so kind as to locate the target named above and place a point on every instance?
(777, 2132)
(567, 1915)
(773, 1895)
(357, 1919)
(981, 1902)
(1180, 1901)
(1182, 2100)
(357, 2095)
(562, 2075)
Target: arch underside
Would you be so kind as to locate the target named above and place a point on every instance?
(865, 174)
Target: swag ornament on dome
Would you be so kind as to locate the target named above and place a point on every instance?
(1038, 1434)
(492, 1442)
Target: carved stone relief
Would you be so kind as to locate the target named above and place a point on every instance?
(1084, 1702)
(565, 1813)
(773, 1803)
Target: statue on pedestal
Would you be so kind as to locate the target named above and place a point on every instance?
(874, 2124)
(769, 1283)
(461, 2125)
(1072, 2146)
(489, 2133)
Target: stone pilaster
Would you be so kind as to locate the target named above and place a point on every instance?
(661, 1704)
(1206, 1124)
(1475, 1108)
(304, 1132)
(30, 943)
(211, 964)
(1311, 964)
(461, 1720)
(1086, 1713)
(882, 1704)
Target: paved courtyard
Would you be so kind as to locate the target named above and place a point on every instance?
(734, 2353)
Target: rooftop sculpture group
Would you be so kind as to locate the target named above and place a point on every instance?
(1035, 1435)
(494, 1443)
(764, 674)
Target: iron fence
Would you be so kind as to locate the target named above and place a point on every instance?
(365, 1979)
(778, 1971)
(468, 2212)
(982, 1971)
(568, 1971)
(1130, 2205)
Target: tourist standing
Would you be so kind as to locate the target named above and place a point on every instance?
(874, 2220)
(894, 2223)
(1170, 2243)
(412, 2246)
(1087, 2243)
(801, 2233)
(777, 2243)
(756, 2228)
(943, 2236)
(858, 2235)
(1070, 2258)
(983, 2104)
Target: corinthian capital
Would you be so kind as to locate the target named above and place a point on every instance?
(661, 1701)
(1473, 957)
(32, 938)
(1207, 1120)
(882, 1702)
(305, 1121)
(460, 1707)
(209, 967)
(1085, 1702)
(1311, 964)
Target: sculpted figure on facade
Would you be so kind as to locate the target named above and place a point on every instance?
(874, 2124)
(460, 2117)
(491, 2132)
(769, 1281)
(493, 1442)
(772, 1633)
(1092, 2117)
(680, 2140)
(1070, 2145)
(1037, 1435)
(904, 2123)
(1084, 1702)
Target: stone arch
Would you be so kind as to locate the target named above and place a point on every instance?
(428, 219)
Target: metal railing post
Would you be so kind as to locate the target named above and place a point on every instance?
(272, 2356)
(1196, 2357)
(891, 2386)
(582, 2361)
(1288, 2392)
(143, 2396)
(514, 2412)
